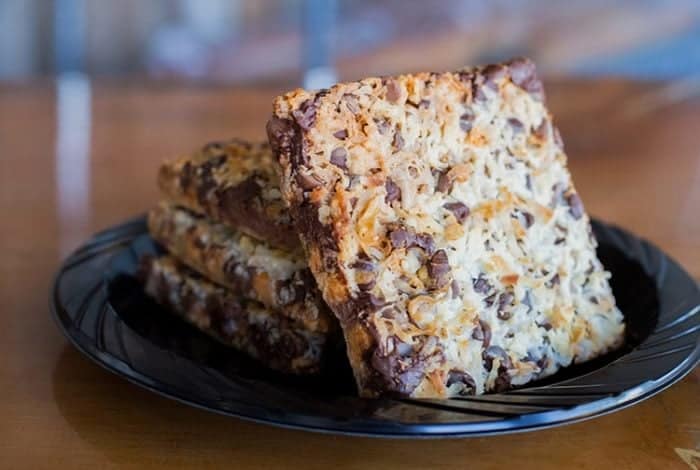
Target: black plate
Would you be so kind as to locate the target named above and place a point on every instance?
(103, 311)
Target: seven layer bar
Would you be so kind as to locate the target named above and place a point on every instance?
(443, 229)
(227, 234)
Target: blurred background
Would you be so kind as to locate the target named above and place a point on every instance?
(317, 41)
(94, 94)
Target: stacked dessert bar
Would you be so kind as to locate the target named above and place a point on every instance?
(437, 217)
(234, 266)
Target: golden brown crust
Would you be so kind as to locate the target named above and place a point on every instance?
(232, 182)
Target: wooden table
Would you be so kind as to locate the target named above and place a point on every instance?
(635, 154)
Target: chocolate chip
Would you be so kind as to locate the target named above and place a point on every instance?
(401, 238)
(308, 182)
(504, 300)
(401, 376)
(205, 180)
(575, 205)
(529, 219)
(305, 116)
(444, 182)
(559, 241)
(424, 104)
(425, 241)
(400, 366)
(536, 89)
(522, 70)
(351, 103)
(367, 302)
(490, 300)
(362, 265)
(528, 182)
(492, 74)
(523, 74)
(398, 141)
(284, 140)
(393, 90)
(338, 157)
(459, 209)
(323, 235)
(468, 386)
(546, 325)
(482, 332)
(481, 285)
(455, 289)
(502, 382)
(439, 268)
(486, 328)
(477, 84)
(554, 281)
(593, 300)
(367, 286)
(496, 352)
(393, 192)
(516, 125)
(466, 120)
(393, 312)
(382, 126)
(341, 134)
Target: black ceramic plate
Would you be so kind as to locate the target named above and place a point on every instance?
(101, 308)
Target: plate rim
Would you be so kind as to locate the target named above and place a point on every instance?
(532, 421)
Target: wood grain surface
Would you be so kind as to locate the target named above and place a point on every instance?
(634, 152)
